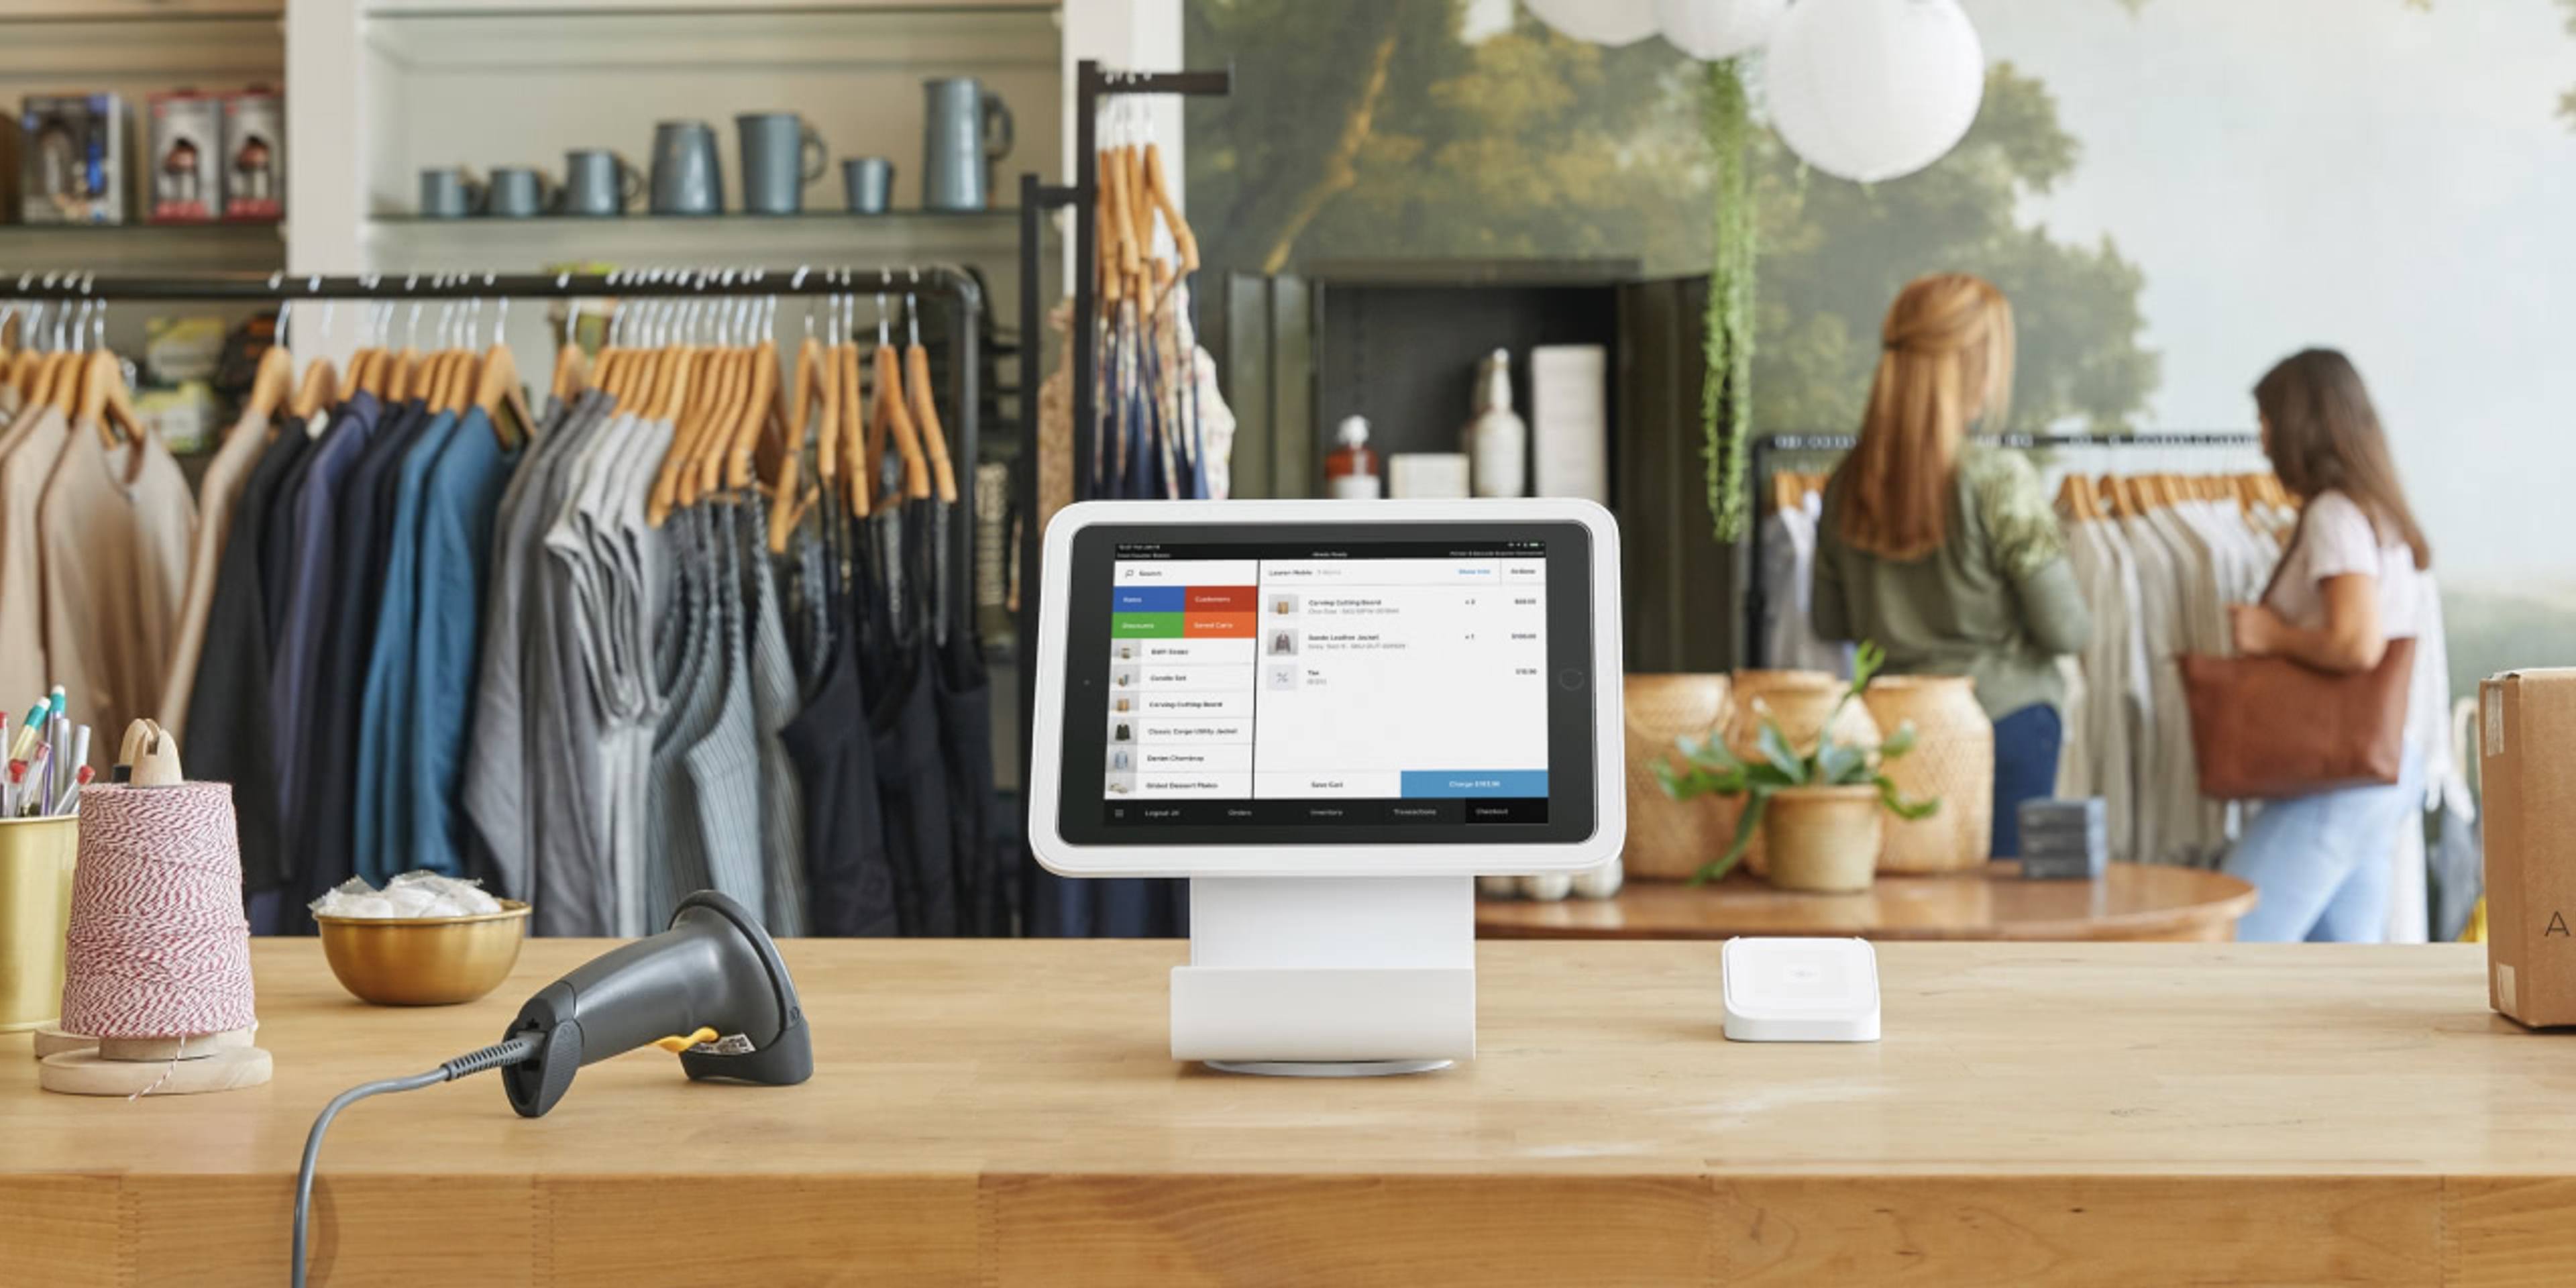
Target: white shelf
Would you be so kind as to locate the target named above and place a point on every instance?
(405, 9)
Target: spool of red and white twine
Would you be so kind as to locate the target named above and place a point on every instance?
(158, 945)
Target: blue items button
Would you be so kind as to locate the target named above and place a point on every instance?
(1150, 599)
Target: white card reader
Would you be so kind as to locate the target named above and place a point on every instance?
(1800, 990)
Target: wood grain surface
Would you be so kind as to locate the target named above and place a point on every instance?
(1004, 1114)
(2132, 902)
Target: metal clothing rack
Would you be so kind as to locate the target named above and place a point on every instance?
(1091, 84)
(1757, 470)
(935, 280)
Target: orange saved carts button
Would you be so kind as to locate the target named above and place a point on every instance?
(1219, 626)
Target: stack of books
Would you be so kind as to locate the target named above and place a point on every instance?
(2064, 840)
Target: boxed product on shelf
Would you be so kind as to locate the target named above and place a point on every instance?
(2526, 733)
(186, 160)
(254, 154)
(186, 417)
(72, 158)
(180, 349)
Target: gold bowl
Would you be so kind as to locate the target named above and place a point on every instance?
(424, 961)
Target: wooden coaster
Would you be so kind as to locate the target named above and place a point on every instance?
(84, 1073)
(52, 1040)
(194, 1047)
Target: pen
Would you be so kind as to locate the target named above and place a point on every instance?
(80, 749)
(70, 802)
(62, 705)
(58, 766)
(32, 796)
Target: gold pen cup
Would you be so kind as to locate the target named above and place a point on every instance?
(35, 913)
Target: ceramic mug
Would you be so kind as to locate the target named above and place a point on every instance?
(448, 192)
(519, 192)
(685, 178)
(780, 155)
(599, 182)
(869, 184)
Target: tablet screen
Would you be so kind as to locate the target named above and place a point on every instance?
(1366, 683)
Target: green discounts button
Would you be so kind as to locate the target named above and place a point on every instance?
(1145, 626)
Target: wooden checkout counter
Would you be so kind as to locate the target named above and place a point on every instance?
(1001, 1113)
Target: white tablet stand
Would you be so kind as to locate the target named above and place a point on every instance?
(1328, 977)
(1325, 959)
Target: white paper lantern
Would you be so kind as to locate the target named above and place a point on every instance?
(1870, 90)
(1602, 22)
(1709, 30)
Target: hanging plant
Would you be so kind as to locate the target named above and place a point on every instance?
(1726, 393)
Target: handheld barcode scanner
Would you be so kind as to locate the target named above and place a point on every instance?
(710, 988)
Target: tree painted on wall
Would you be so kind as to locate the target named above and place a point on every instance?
(1366, 130)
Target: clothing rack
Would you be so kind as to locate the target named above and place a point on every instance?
(1757, 470)
(935, 280)
(1091, 84)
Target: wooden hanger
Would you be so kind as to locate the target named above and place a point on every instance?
(1158, 186)
(858, 473)
(675, 404)
(272, 383)
(757, 405)
(2075, 499)
(794, 410)
(497, 393)
(898, 418)
(721, 376)
(321, 388)
(106, 402)
(925, 409)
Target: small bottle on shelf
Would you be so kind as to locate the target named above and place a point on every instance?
(1351, 470)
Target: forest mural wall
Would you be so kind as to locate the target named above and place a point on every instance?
(2174, 192)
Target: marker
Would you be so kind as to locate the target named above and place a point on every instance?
(62, 705)
(32, 797)
(34, 728)
(80, 752)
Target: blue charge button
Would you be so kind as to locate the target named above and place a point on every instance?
(1443, 784)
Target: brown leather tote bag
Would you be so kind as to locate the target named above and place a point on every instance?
(2268, 728)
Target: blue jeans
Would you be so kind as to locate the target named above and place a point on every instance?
(2026, 746)
(2323, 863)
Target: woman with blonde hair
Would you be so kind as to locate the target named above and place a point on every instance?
(1946, 552)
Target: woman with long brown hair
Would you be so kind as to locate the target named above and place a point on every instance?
(2351, 581)
(1945, 552)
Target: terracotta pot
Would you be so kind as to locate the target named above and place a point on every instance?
(1669, 839)
(1799, 702)
(1953, 760)
(1824, 839)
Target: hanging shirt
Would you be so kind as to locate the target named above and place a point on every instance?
(385, 737)
(348, 602)
(303, 622)
(116, 527)
(772, 679)
(34, 445)
(227, 475)
(462, 496)
(230, 739)
(494, 789)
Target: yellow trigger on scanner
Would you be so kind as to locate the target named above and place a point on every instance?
(680, 1044)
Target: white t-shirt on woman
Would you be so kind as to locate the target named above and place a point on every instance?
(2339, 541)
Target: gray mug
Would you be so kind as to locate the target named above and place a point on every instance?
(599, 182)
(449, 193)
(685, 178)
(869, 182)
(519, 192)
(780, 155)
(964, 131)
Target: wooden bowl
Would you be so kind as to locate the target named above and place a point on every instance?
(424, 961)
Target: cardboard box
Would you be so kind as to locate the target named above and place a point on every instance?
(2527, 774)
(73, 158)
(254, 155)
(184, 170)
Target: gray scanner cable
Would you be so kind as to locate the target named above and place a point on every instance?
(490, 1057)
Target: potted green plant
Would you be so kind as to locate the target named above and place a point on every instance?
(1822, 809)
